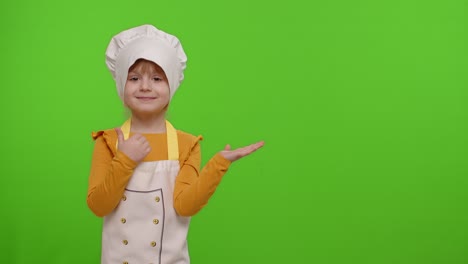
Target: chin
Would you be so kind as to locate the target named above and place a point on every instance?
(150, 111)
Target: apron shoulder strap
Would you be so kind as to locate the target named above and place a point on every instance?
(172, 142)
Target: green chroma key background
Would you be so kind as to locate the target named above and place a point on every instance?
(362, 105)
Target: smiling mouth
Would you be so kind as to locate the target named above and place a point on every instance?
(146, 98)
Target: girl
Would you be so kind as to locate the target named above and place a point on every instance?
(145, 178)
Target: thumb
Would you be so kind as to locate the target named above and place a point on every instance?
(120, 136)
(228, 147)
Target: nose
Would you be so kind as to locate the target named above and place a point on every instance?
(145, 85)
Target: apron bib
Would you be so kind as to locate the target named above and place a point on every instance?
(145, 228)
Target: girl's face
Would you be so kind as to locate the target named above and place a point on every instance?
(146, 89)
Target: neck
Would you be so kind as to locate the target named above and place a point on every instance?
(148, 124)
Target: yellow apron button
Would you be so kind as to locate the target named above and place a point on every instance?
(125, 242)
(125, 262)
(123, 220)
(124, 198)
(153, 244)
(157, 199)
(155, 221)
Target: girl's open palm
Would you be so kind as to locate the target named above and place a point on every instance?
(236, 154)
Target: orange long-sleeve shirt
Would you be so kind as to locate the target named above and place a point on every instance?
(111, 170)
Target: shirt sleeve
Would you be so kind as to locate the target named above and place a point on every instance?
(193, 188)
(110, 172)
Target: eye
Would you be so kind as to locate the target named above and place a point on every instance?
(133, 78)
(157, 79)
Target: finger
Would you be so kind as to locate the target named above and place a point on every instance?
(246, 152)
(140, 138)
(249, 149)
(239, 153)
(228, 147)
(137, 137)
(120, 136)
(145, 144)
(258, 145)
(148, 150)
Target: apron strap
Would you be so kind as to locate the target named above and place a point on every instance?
(172, 142)
(125, 129)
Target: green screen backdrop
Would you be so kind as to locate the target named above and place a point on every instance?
(362, 106)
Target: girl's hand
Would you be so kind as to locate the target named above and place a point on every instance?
(136, 147)
(236, 154)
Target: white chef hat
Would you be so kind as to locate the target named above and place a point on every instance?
(149, 43)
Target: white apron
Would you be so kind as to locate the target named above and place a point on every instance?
(145, 228)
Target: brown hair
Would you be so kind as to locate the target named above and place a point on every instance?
(146, 66)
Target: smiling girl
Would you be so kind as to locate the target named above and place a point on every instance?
(145, 179)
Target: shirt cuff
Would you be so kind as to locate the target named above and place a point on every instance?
(221, 161)
(125, 160)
